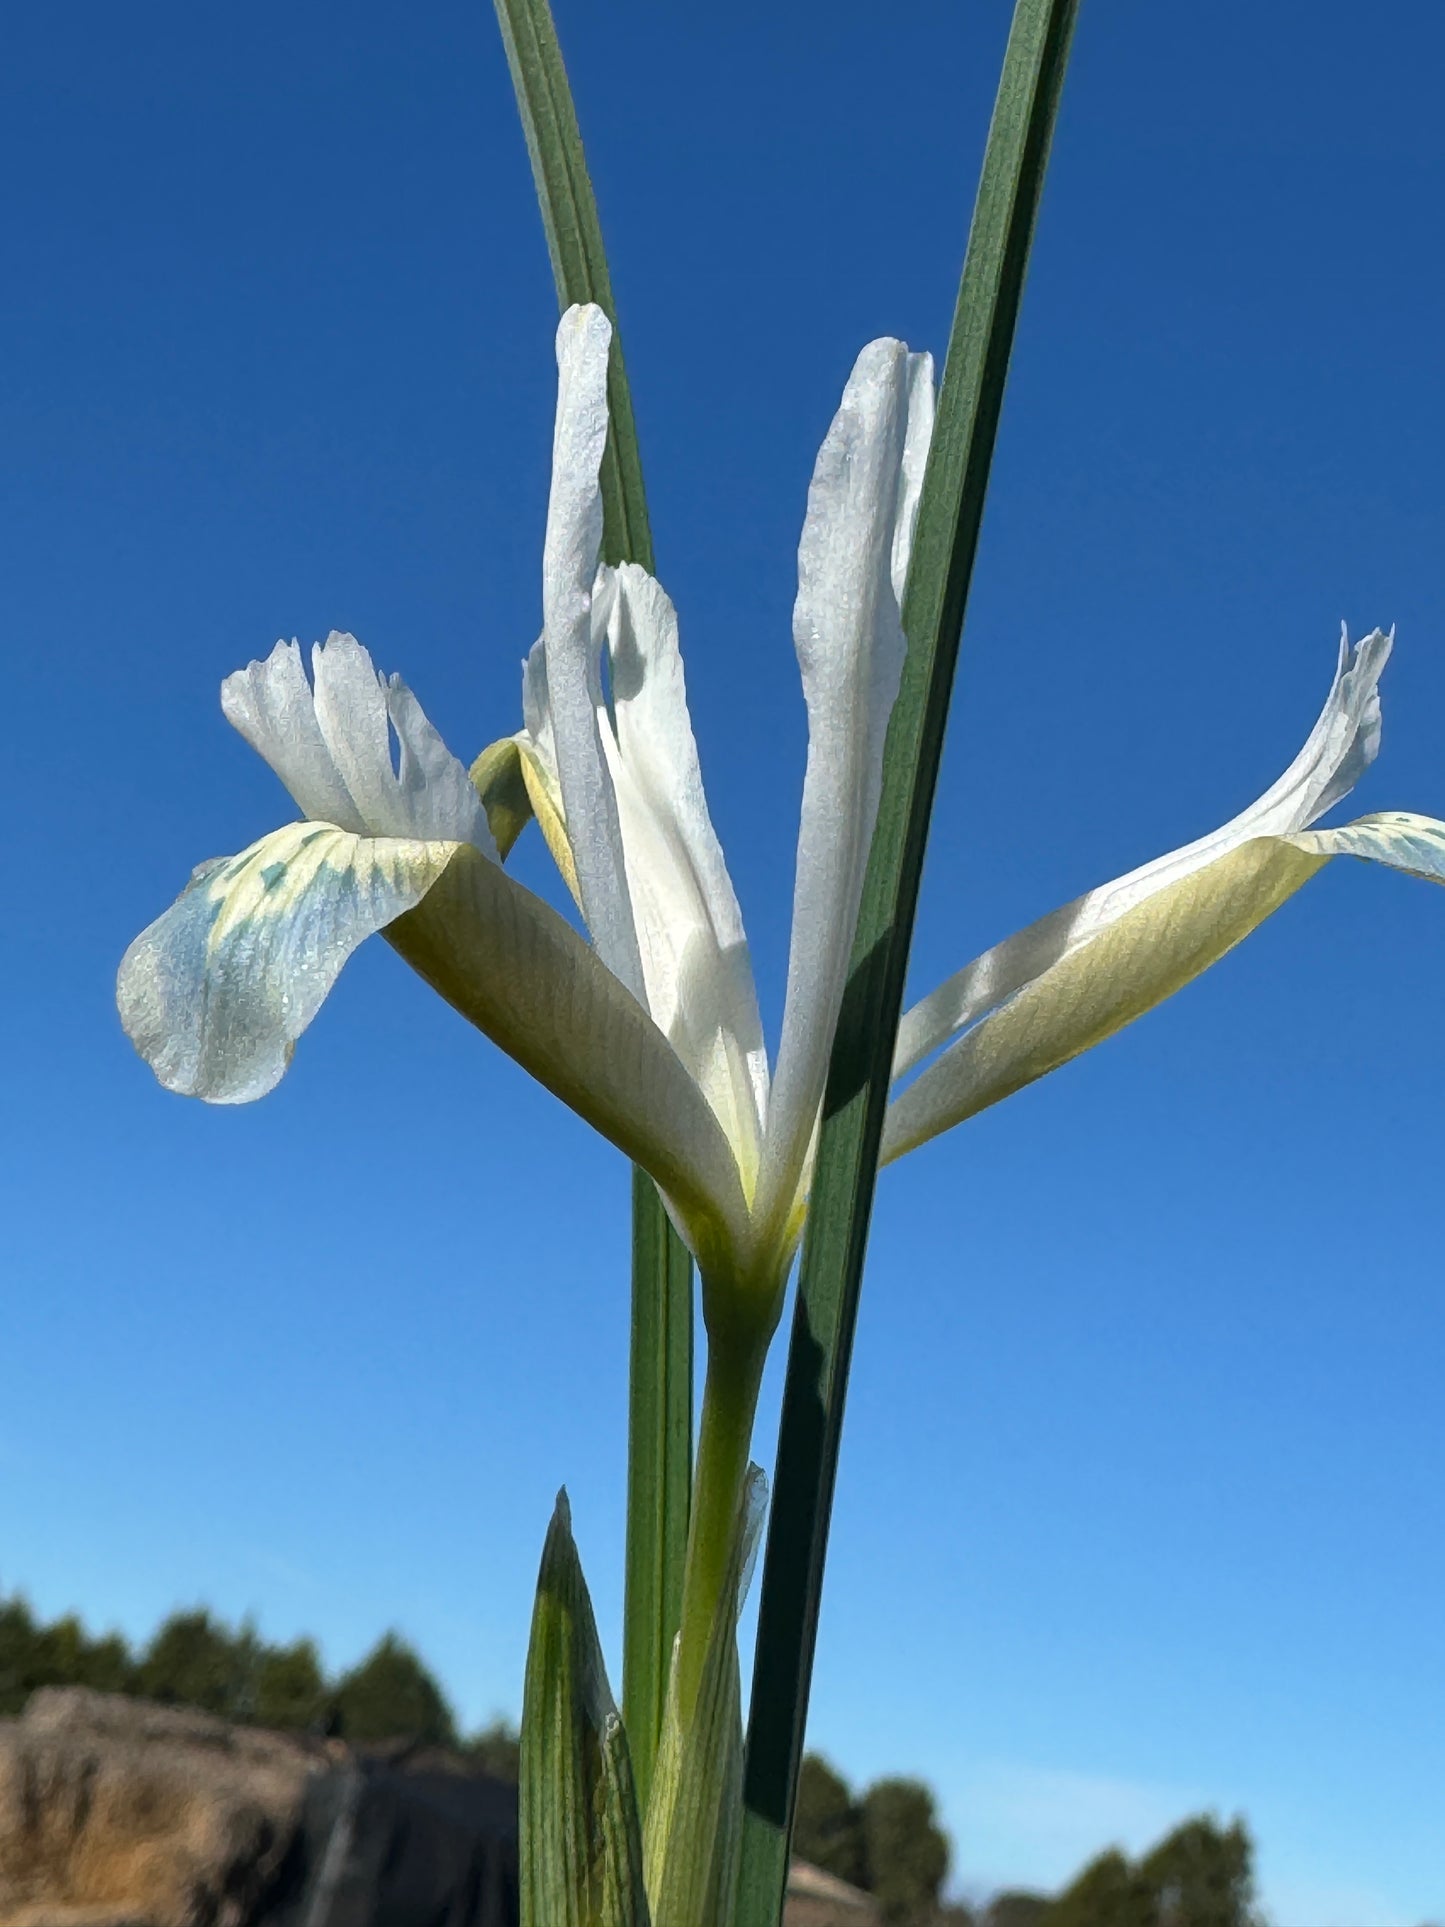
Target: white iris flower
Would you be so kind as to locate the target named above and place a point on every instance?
(652, 1031)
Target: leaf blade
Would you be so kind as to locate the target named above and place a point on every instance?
(574, 243)
(950, 514)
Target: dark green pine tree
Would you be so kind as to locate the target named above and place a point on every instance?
(1202, 1875)
(194, 1660)
(391, 1695)
(60, 1653)
(1015, 1907)
(1108, 1893)
(291, 1691)
(828, 1828)
(907, 1851)
(17, 1654)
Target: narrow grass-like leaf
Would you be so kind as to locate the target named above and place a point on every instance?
(659, 1466)
(581, 1845)
(574, 241)
(948, 523)
(692, 1835)
(660, 1408)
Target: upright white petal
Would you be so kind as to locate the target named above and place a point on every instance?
(917, 439)
(849, 639)
(537, 708)
(437, 796)
(569, 577)
(352, 716)
(537, 744)
(694, 954)
(331, 746)
(272, 706)
(1159, 944)
(216, 991)
(1339, 749)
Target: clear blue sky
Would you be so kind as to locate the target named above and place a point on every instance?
(1140, 1507)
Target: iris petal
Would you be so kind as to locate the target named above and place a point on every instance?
(272, 705)
(1139, 958)
(694, 953)
(216, 991)
(849, 637)
(351, 711)
(570, 579)
(917, 439)
(1340, 747)
(518, 971)
(331, 746)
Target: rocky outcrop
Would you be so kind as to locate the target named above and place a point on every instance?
(116, 1812)
(120, 1813)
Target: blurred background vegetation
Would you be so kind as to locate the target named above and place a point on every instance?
(196, 1660)
(885, 1839)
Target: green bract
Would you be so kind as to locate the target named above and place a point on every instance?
(581, 1844)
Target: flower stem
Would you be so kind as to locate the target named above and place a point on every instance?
(729, 1401)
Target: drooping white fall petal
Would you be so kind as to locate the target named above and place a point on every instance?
(1134, 963)
(537, 988)
(1341, 746)
(216, 991)
(1078, 976)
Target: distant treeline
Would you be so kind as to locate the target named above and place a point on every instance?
(886, 1839)
(196, 1660)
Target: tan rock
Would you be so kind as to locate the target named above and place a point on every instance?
(120, 1813)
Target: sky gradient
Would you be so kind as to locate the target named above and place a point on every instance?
(1140, 1500)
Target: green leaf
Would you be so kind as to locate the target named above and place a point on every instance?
(574, 241)
(660, 1410)
(581, 1849)
(694, 1818)
(950, 513)
(659, 1467)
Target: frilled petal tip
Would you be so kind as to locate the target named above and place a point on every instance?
(215, 993)
(332, 745)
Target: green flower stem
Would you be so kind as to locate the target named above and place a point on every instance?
(725, 1432)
